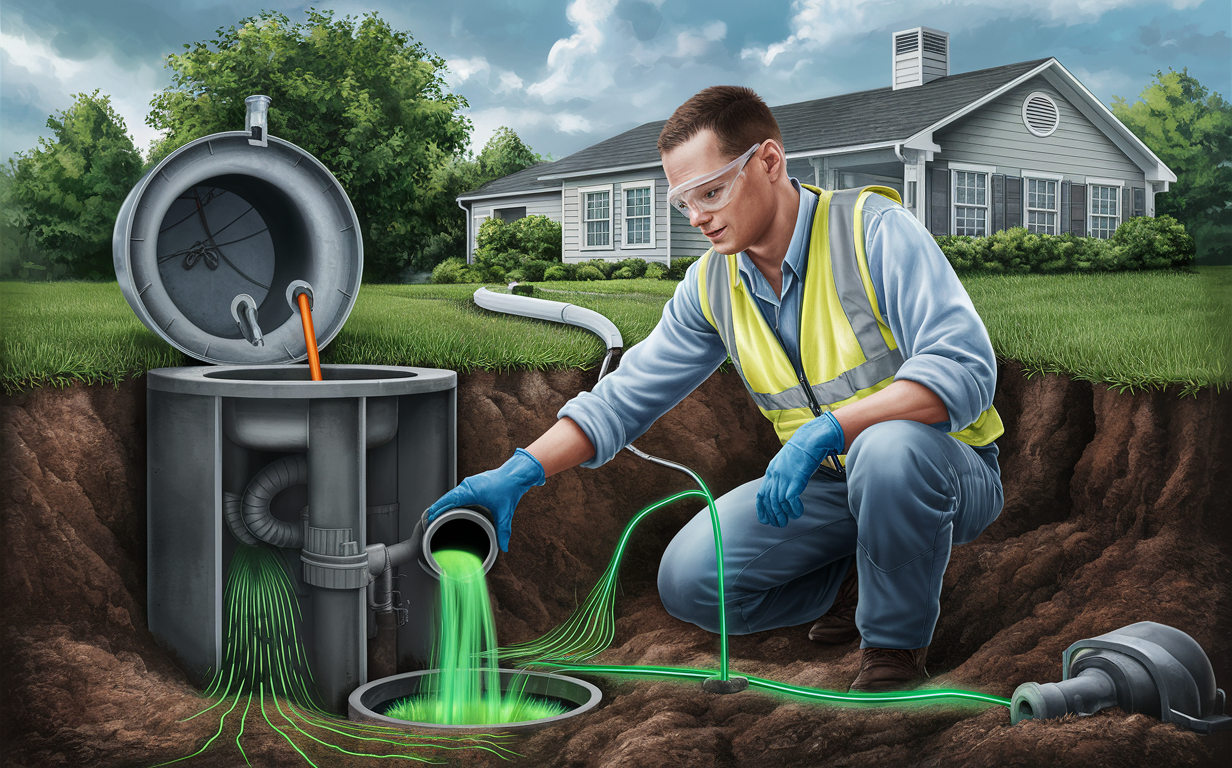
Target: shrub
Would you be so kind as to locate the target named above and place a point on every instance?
(1139, 243)
(606, 268)
(589, 271)
(624, 273)
(636, 267)
(655, 271)
(555, 272)
(679, 266)
(1153, 243)
(533, 269)
(451, 270)
(535, 237)
(516, 276)
(524, 289)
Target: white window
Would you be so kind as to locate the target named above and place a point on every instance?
(1105, 208)
(1042, 204)
(639, 214)
(970, 203)
(596, 203)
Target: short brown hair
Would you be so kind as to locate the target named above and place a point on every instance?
(737, 115)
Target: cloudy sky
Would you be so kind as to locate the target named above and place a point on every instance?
(567, 74)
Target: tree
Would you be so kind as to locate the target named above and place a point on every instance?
(1190, 129)
(64, 194)
(504, 153)
(364, 98)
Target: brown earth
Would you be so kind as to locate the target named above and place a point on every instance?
(1113, 515)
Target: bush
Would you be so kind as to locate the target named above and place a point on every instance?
(655, 271)
(635, 267)
(679, 266)
(1153, 243)
(532, 237)
(1139, 243)
(589, 271)
(533, 269)
(451, 270)
(556, 272)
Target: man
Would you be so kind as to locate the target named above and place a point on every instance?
(857, 341)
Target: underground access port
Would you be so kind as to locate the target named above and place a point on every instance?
(553, 697)
(461, 530)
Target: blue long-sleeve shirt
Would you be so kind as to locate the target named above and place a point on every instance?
(944, 343)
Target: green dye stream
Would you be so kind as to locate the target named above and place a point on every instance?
(265, 680)
(466, 690)
(265, 667)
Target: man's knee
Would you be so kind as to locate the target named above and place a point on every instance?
(686, 577)
(893, 451)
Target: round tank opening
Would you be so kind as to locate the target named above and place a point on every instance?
(229, 235)
(301, 373)
(556, 696)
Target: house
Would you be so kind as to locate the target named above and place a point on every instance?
(1023, 144)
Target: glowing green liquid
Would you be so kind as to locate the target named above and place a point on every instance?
(467, 689)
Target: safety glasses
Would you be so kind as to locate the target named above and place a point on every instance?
(712, 191)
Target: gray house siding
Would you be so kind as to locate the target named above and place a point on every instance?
(538, 204)
(995, 135)
(687, 240)
(572, 224)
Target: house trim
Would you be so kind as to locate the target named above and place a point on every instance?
(625, 186)
(611, 217)
(519, 193)
(971, 168)
(1106, 182)
(601, 171)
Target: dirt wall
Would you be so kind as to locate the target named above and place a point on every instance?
(1113, 515)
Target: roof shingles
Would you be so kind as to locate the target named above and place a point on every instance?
(865, 117)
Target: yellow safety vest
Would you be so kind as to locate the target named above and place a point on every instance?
(846, 348)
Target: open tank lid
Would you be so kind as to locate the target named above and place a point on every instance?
(233, 214)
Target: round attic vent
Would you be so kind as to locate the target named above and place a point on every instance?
(1040, 114)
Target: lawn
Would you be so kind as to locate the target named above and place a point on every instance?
(1130, 330)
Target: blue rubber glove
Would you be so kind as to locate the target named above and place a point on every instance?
(790, 470)
(497, 490)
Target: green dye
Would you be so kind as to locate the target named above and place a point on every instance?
(466, 690)
(265, 671)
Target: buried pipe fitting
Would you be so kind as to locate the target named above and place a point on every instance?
(1146, 667)
(268, 483)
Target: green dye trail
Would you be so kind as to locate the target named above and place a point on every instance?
(467, 688)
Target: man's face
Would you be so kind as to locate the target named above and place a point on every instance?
(743, 221)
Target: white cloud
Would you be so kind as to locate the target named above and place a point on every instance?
(487, 121)
(815, 24)
(36, 75)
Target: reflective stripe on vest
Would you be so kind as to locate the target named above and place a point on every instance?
(851, 359)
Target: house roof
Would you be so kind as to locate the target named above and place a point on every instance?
(525, 180)
(878, 116)
(864, 117)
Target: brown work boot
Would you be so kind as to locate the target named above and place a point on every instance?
(838, 625)
(890, 669)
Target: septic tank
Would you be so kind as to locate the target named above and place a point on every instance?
(212, 248)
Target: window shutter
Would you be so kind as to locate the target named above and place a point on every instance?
(1064, 216)
(998, 203)
(1078, 209)
(939, 201)
(1126, 192)
(1013, 201)
(1139, 201)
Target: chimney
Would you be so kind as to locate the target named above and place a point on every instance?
(919, 55)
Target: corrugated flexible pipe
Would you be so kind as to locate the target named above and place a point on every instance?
(258, 519)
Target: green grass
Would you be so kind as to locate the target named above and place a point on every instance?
(1130, 330)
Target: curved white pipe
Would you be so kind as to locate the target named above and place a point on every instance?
(554, 311)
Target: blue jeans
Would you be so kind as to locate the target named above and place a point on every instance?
(912, 491)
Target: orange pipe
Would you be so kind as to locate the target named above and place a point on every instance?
(310, 337)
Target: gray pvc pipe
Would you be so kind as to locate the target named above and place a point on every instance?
(258, 519)
(554, 311)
